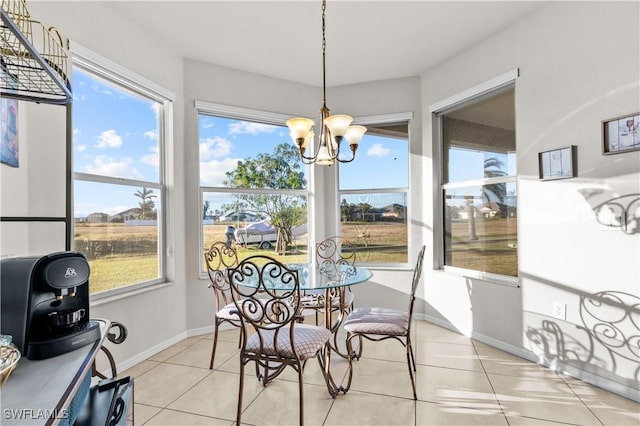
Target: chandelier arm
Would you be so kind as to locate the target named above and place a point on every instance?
(353, 155)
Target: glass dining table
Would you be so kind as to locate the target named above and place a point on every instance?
(329, 282)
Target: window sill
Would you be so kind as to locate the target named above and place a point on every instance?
(483, 276)
(126, 294)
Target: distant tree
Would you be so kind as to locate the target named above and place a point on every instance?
(278, 170)
(205, 209)
(493, 167)
(146, 203)
(363, 208)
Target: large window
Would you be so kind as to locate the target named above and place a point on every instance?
(479, 185)
(119, 196)
(374, 195)
(253, 187)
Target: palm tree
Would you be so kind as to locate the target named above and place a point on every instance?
(493, 167)
(146, 204)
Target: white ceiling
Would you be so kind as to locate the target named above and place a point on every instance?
(366, 40)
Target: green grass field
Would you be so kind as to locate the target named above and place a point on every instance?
(120, 255)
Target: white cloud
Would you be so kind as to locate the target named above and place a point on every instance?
(104, 165)
(81, 148)
(207, 123)
(76, 132)
(153, 158)
(151, 134)
(212, 173)
(109, 139)
(377, 150)
(246, 127)
(102, 90)
(215, 147)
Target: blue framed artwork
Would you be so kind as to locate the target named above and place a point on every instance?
(9, 125)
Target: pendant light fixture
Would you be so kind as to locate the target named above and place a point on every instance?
(334, 129)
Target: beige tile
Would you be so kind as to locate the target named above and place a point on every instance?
(229, 334)
(217, 395)
(449, 355)
(530, 421)
(610, 408)
(455, 388)
(139, 369)
(142, 413)
(199, 354)
(278, 404)
(428, 331)
(172, 350)
(360, 408)
(498, 362)
(541, 398)
(428, 413)
(173, 418)
(382, 377)
(166, 382)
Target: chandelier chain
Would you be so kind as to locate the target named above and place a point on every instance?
(324, 49)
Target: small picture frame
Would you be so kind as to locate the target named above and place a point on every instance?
(557, 163)
(621, 134)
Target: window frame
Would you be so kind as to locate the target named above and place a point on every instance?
(96, 65)
(403, 117)
(248, 114)
(437, 110)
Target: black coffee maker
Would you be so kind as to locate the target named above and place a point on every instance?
(45, 304)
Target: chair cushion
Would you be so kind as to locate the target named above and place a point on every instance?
(382, 321)
(226, 312)
(308, 340)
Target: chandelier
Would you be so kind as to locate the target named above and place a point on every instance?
(334, 129)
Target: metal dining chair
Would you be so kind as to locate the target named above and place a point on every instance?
(330, 253)
(218, 258)
(267, 298)
(377, 324)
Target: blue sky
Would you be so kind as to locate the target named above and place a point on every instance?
(115, 133)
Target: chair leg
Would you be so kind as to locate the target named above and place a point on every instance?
(240, 390)
(410, 364)
(413, 356)
(301, 392)
(351, 354)
(215, 343)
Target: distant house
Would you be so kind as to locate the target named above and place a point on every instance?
(489, 210)
(242, 216)
(98, 218)
(394, 211)
(129, 214)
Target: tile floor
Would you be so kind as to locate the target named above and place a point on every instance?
(459, 382)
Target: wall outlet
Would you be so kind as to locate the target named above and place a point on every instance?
(560, 310)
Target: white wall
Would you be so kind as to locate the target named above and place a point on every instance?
(153, 317)
(211, 83)
(579, 64)
(25, 193)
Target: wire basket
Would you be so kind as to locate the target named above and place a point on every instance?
(9, 357)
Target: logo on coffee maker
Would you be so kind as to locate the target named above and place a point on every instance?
(70, 273)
